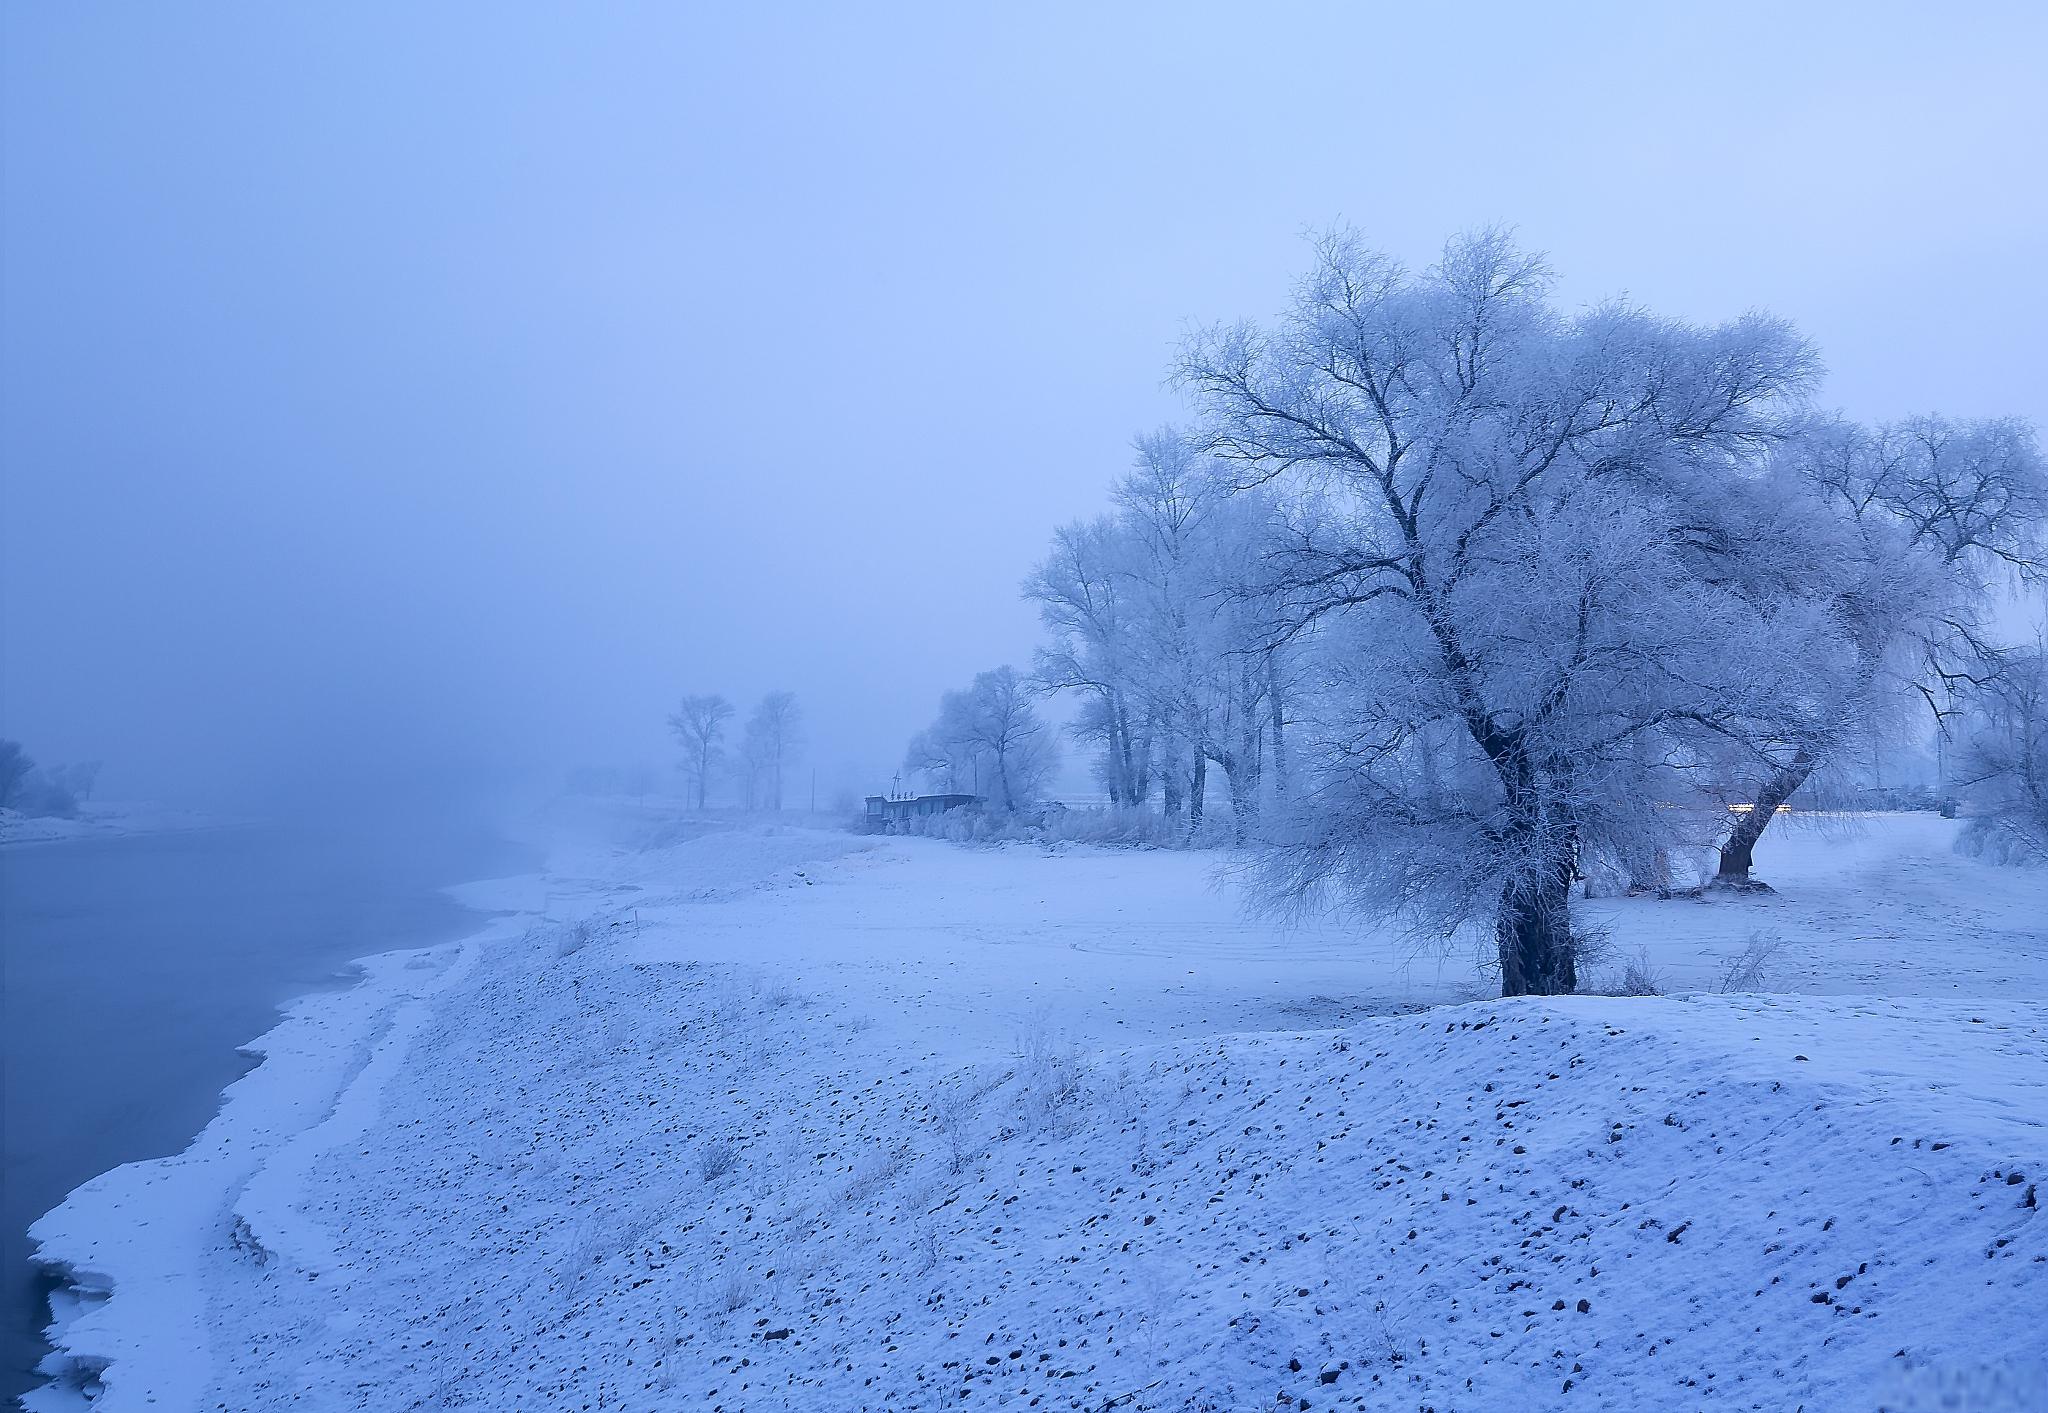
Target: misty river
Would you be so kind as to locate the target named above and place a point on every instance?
(132, 968)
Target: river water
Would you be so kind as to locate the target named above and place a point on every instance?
(132, 968)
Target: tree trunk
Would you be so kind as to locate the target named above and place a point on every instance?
(1534, 931)
(1130, 762)
(1244, 796)
(1198, 787)
(1275, 710)
(1120, 764)
(1738, 855)
(1243, 771)
(1115, 754)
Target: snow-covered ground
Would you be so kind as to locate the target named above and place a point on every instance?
(99, 820)
(801, 1120)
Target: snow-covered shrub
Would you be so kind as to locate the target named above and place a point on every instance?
(730, 1293)
(1606, 875)
(670, 1329)
(1591, 945)
(775, 994)
(574, 937)
(1638, 977)
(1051, 1081)
(715, 1160)
(1115, 827)
(1139, 827)
(1749, 970)
(875, 1172)
(955, 1106)
(951, 1112)
(2003, 841)
(929, 1250)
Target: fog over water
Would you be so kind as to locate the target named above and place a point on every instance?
(420, 399)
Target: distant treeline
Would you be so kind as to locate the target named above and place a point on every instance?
(52, 791)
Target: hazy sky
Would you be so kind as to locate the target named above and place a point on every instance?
(422, 391)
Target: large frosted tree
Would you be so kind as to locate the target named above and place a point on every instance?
(1517, 658)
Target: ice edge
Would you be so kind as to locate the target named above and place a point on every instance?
(129, 1248)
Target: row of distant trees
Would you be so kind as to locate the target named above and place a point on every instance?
(1465, 595)
(757, 765)
(44, 791)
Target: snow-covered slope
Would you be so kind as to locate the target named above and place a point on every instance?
(804, 1122)
(741, 1200)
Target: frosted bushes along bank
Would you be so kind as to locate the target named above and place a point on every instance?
(1114, 827)
(2006, 840)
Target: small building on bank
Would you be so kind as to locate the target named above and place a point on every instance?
(884, 810)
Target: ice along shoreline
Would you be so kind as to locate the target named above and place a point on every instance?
(129, 1247)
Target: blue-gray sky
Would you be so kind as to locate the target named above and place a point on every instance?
(398, 389)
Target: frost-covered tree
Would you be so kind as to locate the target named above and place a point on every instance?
(989, 740)
(1905, 529)
(1166, 505)
(1482, 539)
(77, 779)
(699, 725)
(1087, 599)
(15, 765)
(1156, 623)
(774, 731)
(1243, 662)
(2002, 758)
(1213, 655)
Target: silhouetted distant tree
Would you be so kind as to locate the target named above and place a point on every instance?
(774, 731)
(700, 725)
(14, 768)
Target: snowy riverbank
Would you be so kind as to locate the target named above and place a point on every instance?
(101, 820)
(786, 1119)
